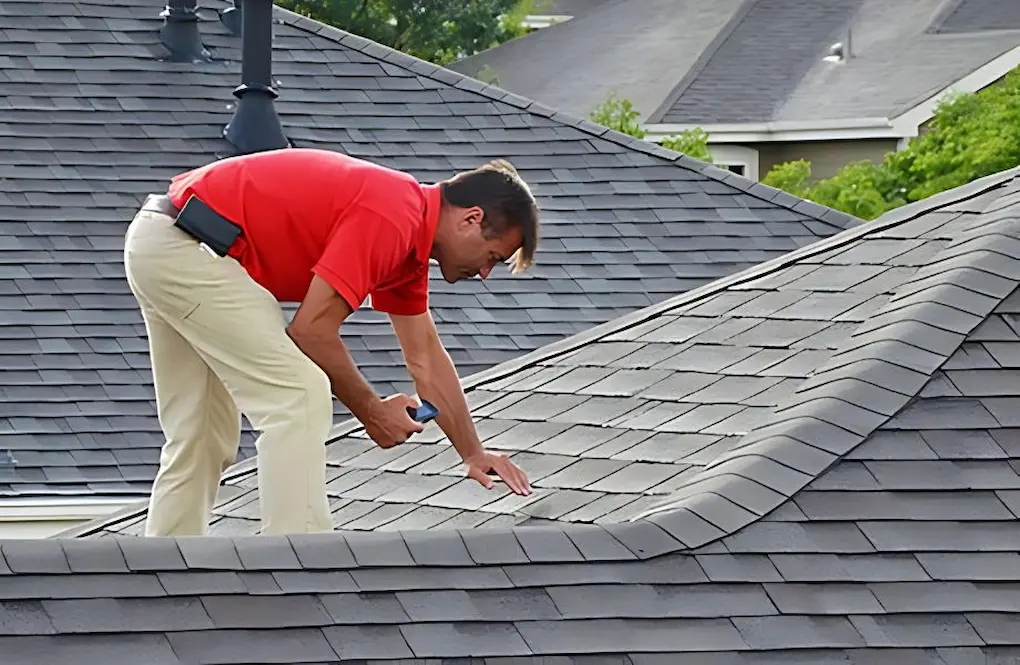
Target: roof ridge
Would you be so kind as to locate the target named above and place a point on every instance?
(439, 73)
(837, 408)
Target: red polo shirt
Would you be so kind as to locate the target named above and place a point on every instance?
(365, 229)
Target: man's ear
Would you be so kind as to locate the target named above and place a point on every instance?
(473, 216)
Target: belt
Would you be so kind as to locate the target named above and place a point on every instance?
(161, 203)
(215, 234)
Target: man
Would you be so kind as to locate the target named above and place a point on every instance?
(209, 264)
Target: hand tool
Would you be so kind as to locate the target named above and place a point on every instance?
(423, 413)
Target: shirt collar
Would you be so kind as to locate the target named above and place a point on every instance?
(433, 201)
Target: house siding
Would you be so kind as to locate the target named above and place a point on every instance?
(826, 157)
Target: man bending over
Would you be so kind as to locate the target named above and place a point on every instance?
(210, 261)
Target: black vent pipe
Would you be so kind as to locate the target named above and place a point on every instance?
(180, 34)
(232, 17)
(256, 126)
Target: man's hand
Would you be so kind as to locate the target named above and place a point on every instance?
(388, 423)
(435, 377)
(482, 463)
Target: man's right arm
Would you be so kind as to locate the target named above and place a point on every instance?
(315, 329)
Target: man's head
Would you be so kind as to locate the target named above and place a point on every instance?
(488, 215)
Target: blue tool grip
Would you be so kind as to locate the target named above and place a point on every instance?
(423, 413)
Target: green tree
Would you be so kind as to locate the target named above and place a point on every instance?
(619, 113)
(791, 177)
(971, 135)
(439, 31)
(690, 142)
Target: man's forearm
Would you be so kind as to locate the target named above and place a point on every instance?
(346, 382)
(437, 381)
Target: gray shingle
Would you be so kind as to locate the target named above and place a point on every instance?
(439, 640)
(295, 644)
(362, 642)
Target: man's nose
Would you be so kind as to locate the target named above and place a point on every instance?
(484, 272)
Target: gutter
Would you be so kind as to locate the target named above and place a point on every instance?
(60, 509)
(539, 21)
(787, 130)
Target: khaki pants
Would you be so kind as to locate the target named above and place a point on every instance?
(219, 347)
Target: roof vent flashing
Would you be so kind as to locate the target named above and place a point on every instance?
(180, 34)
(256, 126)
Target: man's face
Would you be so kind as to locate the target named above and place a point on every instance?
(469, 253)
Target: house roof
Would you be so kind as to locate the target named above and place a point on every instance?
(638, 49)
(831, 440)
(755, 60)
(93, 120)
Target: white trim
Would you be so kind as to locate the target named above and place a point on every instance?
(769, 132)
(730, 155)
(63, 509)
(538, 21)
(903, 126)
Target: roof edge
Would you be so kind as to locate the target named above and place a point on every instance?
(836, 409)
(570, 344)
(462, 81)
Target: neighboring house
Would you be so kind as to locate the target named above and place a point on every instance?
(94, 118)
(765, 78)
(816, 460)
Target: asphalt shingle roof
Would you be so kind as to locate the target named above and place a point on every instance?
(757, 61)
(839, 428)
(91, 120)
(638, 49)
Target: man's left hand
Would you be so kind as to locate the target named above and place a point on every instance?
(481, 464)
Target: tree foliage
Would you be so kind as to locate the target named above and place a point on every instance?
(439, 31)
(971, 135)
(690, 142)
(619, 113)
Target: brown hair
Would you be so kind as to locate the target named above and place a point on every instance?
(505, 200)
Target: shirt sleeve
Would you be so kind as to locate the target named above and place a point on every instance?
(408, 299)
(362, 253)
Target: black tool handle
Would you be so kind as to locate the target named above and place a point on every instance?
(423, 413)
